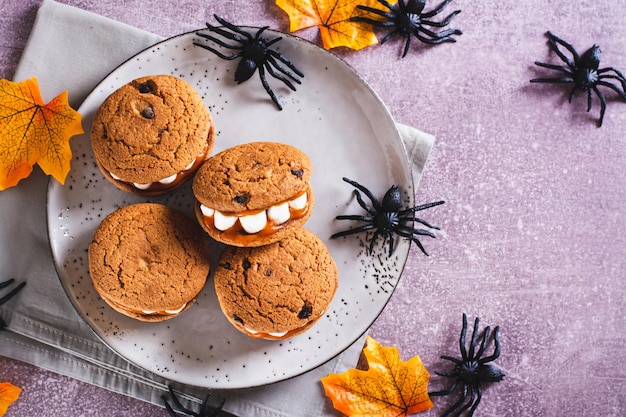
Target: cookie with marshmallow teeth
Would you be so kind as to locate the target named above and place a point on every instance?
(254, 194)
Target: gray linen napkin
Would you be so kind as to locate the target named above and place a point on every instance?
(43, 327)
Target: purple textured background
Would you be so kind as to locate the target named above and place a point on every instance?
(534, 229)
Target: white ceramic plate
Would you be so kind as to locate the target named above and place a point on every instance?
(336, 118)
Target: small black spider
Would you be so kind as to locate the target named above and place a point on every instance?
(387, 218)
(8, 296)
(471, 370)
(205, 409)
(406, 19)
(583, 72)
(255, 53)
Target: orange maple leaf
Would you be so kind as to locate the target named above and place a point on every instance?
(333, 19)
(389, 388)
(34, 132)
(9, 393)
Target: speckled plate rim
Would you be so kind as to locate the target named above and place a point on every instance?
(115, 330)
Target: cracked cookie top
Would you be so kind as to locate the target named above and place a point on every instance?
(278, 290)
(149, 261)
(150, 130)
(254, 194)
(252, 176)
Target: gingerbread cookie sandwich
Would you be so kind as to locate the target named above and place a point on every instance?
(279, 290)
(254, 194)
(152, 134)
(149, 261)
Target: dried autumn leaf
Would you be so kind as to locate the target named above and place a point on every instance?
(389, 388)
(333, 20)
(9, 393)
(34, 132)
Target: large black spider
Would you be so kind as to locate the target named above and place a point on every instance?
(8, 296)
(583, 72)
(205, 409)
(471, 370)
(387, 218)
(255, 53)
(407, 20)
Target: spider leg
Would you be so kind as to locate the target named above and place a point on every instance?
(469, 403)
(437, 9)
(418, 220)
(457, 404)
(218, 53)
(411, 235)
(613, 87)
(436, 38)
(373, 242)
(259, 32)
(561, 68)
(236, 28)
(602, 105)
(419, 245)
(374, 10)
(355, 217)
(365, 191)
(287, 63)
(270, 70)
(216, 410)
(406, 231)
(479, 396)
(220, 31)
(564, 80)
(176, 402)
(364, 205)
(168, 407)
(353, 231)
(407, 45)
(571, 94)
(441, 24)
(618, 75)
(391, 243)
(275, 65)
(267, 88)
(496, 350)
(451, 359)
(553, 40)
(377, 23)
(462, 338)
(483, 342)
(421, 207)
(474, 338)
(388, 36)
(589, 99)
(11, 293)
(446, 391)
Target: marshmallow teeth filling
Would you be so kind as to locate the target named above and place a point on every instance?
(165, 181)
(254, 223)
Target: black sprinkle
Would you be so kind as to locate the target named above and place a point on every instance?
(297, 172)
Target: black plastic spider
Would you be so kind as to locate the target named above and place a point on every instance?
(406, 19)
(471, 370)
(8, 296)
(387, 218)
(583, 72)
(205, 409)
(255, 53)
